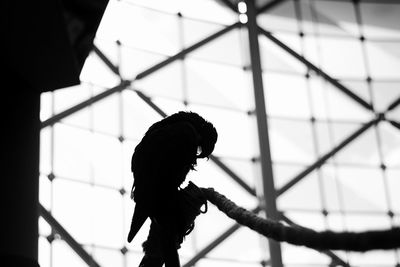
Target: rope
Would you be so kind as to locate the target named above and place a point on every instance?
(301, 236)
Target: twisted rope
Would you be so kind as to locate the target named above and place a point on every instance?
(301, 236)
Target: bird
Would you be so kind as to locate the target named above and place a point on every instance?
(160, 163)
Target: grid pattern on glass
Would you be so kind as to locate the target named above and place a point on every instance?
(85, 157)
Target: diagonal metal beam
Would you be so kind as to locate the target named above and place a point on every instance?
(125, 84)
(328, 155)
(202, 253)
(103, 57)
(269, 5)
(233, 175)
(335, 258)
(58, 228)
(394, 123)
(317, 70)
(393, 105)
(56, 118)
(186, 51)
(222, 237)
(229, 4)
(214, 159)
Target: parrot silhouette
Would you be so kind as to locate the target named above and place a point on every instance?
(160, 163)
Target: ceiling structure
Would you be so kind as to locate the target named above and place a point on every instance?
(305, 96)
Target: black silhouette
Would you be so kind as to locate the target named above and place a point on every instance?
(160, 163)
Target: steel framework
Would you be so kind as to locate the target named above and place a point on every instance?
(269, 191)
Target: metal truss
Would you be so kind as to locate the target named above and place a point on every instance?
(59, 229)
(269, 190)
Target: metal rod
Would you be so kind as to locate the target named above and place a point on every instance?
(214, 159)
(58, 228)
(202, 253)
(230, 5)
(325, 157)
(186, 51)
(335, 258)
(393, 105)
(269, 193)
(103, 57)
(56, 118)
(233, 175)
(394, 123)
(143, 74)
(227, 233)
(268, 6)
(317, 70)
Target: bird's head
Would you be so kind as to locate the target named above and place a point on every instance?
(206, 131)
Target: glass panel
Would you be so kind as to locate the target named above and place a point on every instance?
(286, 95)
(106, 171)
(331, 189)
(383, 59)
(46, 102)
(63, 255)
(362, 189)
(206, 83)
(135, 60)
(232, 142)
(362, 150)
(305, 195)
(44, 227)
(360, 88)
(335, 18)
(199, 9)
(280, 18)
(108, 257)
(123, 21)
(283, 173)
(44, 252)
(246, 169)
(45, 192)
(138, 116)
(204, 233)
(45, 151)
(311, 220)
(291, 141)
(194, 30)
(393, 180)
(326, 99)
(336, 222)
(226, 49)
(390, 144)
(166, 82)
(274, 58)
(110, 49)
(105, 114)
(333, 51)
(384, 94)
(72, 152)
(68, 97)
(241, 246)
(72, 207)
(107, 227)
(216, 262)
(295, 256)
(128, 148)
(169, 106)
(97, 72)
(380, 20)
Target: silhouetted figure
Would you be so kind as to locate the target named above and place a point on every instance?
(160, 163)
